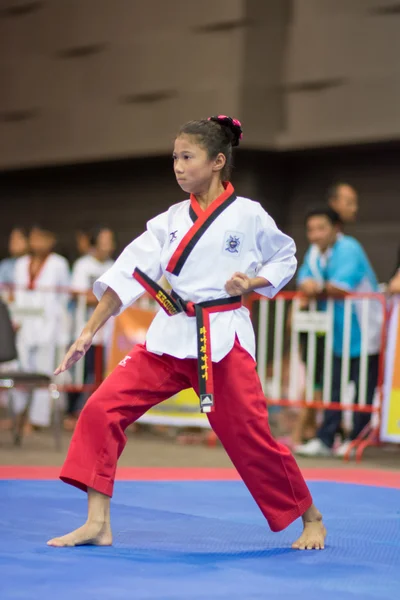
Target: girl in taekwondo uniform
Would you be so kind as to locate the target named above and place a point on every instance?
(212, 249)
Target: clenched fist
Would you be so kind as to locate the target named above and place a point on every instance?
(238, 284)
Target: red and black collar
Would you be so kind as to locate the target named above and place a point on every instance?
(202, 219)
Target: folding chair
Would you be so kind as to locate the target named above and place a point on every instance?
(15, 379)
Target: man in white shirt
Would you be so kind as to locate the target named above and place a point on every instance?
(85, 271)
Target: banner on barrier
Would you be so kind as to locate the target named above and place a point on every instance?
(130, 328)
(390, 424)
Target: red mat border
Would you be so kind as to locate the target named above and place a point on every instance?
(373, 477)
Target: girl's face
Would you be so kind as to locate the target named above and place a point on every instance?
(193, 169)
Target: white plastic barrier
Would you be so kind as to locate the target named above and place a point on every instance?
(287, 317)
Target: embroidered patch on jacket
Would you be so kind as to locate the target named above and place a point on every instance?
(233, 243)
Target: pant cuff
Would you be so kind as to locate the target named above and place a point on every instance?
(283, 520)
(82, 479)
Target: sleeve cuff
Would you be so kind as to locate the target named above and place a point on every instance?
(127, 291)
(277, 276)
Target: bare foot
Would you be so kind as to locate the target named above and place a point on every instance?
(91, 533)
(314, 532)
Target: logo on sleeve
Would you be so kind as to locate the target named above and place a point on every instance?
(172, 236)
(233, 243)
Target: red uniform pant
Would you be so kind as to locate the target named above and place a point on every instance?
(240, 420)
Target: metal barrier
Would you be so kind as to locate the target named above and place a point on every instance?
(47, 320)
(28, 307)
(278, 325)
(287, 317)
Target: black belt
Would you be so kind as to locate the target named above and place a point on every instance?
(173, 305)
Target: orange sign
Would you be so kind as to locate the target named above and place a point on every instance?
(130, 328)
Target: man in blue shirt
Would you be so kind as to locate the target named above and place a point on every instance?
(335, 266)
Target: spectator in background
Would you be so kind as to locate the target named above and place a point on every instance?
(342, 268)
(343, 199)
(42, 279)
(394, 283)
(17, 247)
(85, 271)
(84, 240)
(82, 245)
(97, 260)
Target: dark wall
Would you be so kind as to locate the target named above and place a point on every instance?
(88, 80)
(374, 172)
(124, 195)
(121, 195)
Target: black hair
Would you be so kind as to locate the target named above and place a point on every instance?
(94, 233)
(83, 229)
(217, 135)
(324, 211)
(22, 230)
(333, 191)
(42, 227)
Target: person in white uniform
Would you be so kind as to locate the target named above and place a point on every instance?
(17, 247)
(212, 249)
(85, 271)
(42, 279)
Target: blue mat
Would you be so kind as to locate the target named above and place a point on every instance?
(197, 541)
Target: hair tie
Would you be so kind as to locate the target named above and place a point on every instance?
(234, 125)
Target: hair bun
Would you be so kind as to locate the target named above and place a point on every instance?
(234, 126)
